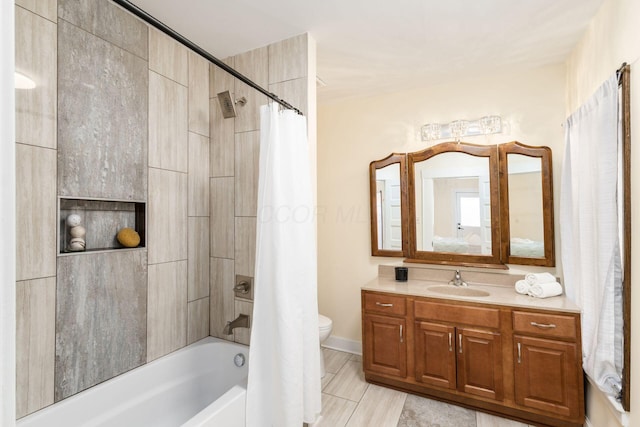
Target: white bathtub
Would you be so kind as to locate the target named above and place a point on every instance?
(197, 386)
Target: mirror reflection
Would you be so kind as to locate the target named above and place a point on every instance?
(453, 206)
(389, 207)
(526, 224)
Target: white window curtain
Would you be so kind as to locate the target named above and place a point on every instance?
(590, 234)
(284, 357)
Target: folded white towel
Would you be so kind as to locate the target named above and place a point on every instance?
(533, 278)
(545, 290)
(522, 287)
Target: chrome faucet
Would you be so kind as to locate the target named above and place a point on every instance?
(242, 321)
(457, 280)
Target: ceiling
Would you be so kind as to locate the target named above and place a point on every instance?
(366, 47)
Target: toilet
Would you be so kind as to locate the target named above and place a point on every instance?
(324, 327)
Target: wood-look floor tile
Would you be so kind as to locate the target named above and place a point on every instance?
(334, 360)
(348, 383)
(380, 406)
(335, 411)
(327, 379)
(356, 358)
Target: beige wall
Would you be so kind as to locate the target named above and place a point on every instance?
(611, 39)
(352, 133)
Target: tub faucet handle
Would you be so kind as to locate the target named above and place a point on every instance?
(243, 287)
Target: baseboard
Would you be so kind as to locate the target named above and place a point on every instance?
(343, 344)
(587, 423)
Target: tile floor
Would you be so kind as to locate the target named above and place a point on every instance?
(349, 401)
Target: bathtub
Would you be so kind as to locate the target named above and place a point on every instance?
(197, 386)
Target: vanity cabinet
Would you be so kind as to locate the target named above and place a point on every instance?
(521, 363)
(385, 326)
(546, 352)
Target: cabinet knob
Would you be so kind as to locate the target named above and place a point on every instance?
(460, 343)
(450, 347)
(401, 337)
(519, 353)
(381, 304)
(543, 325)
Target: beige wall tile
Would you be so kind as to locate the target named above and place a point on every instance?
(245, 239)
(243, 335)
(45, 8)
(221, 296)
(379, 406)
(220, 80)
(247, 160)
(288, 59)
(168, 122)
(253, 64)
(198, 258)
(35, 344)
(168, 57)
(198, 94)
(294, 92)
(222, 218)
(166, 308)
(36, 247)
(198, 175)
(167, 216)
(36, 57)
(198, 324)
(222, 142)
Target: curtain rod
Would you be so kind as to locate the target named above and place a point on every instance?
(620, 71)
(197, 49)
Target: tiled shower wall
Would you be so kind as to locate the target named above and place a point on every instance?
(286, 68)
(200, 191)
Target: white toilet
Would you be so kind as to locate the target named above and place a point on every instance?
(324, 327)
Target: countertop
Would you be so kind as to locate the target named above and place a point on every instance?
(499, 295)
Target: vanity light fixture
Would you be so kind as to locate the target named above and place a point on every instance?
(457, 129)
(23, 82)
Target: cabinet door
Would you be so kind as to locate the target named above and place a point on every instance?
(480, 363)
(547, 374)
(385, 349)
(435, 354)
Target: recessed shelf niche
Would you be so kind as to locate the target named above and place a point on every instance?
(102, 220)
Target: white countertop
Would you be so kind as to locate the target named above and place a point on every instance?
(499, 295)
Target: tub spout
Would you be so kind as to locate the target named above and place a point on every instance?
(242, 321)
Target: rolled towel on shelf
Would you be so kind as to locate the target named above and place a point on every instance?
(533, 278)
(522, 287)
(545, 290)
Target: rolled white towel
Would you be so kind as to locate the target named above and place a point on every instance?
(545, 290)
(533, 278)
(522, 287)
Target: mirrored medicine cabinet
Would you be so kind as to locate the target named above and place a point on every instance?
(464, 204)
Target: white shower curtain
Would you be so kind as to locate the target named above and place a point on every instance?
(590, 234)
(284, 357)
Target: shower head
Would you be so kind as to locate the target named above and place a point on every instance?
(227, 105)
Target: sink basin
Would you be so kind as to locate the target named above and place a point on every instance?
(458, 291)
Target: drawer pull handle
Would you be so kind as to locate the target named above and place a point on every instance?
(543, 325)
(519, 354)
(401, 338)
(450, 347)
(381, 304)
(460, 342)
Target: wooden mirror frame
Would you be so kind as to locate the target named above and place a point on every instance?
(392, 158)
(544, 154)
(493, 260)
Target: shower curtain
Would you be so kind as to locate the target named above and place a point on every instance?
(590, 239)
(284, 357)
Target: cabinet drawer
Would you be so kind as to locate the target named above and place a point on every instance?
(475, 316)
(549, 325)
(385, 304)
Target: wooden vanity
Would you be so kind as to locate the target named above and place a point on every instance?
(511, 355)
